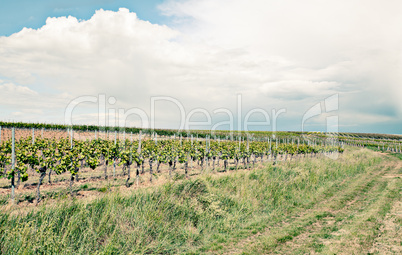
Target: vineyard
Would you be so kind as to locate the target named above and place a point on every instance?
(118, 191)
(24, 155)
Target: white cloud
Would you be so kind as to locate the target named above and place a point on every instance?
(288, 54)
(22, 103)
(297, 90)
(356, 45)
(18, 90)
(119, 55)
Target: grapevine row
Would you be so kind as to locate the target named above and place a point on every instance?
(51, 155)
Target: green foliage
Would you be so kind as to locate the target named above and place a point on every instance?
(84, 186)
(189, 216)
(60, 155)
(103, 189)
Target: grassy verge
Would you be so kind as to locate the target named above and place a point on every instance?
(209, 213)
(394, 154)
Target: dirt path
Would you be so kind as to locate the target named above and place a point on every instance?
(363, 215)
(389, 238)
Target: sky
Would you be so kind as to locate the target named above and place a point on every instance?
(209, 64)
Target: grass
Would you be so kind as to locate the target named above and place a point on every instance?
(208, 213)
(394, 154)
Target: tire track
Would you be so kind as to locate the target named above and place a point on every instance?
(297, 233)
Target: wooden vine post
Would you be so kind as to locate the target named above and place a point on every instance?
(13, 166)
(139, 155)
(114, 158)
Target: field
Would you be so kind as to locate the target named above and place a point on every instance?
(200, 127)
(289, 201)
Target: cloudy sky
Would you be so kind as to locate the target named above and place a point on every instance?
(231, 59)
